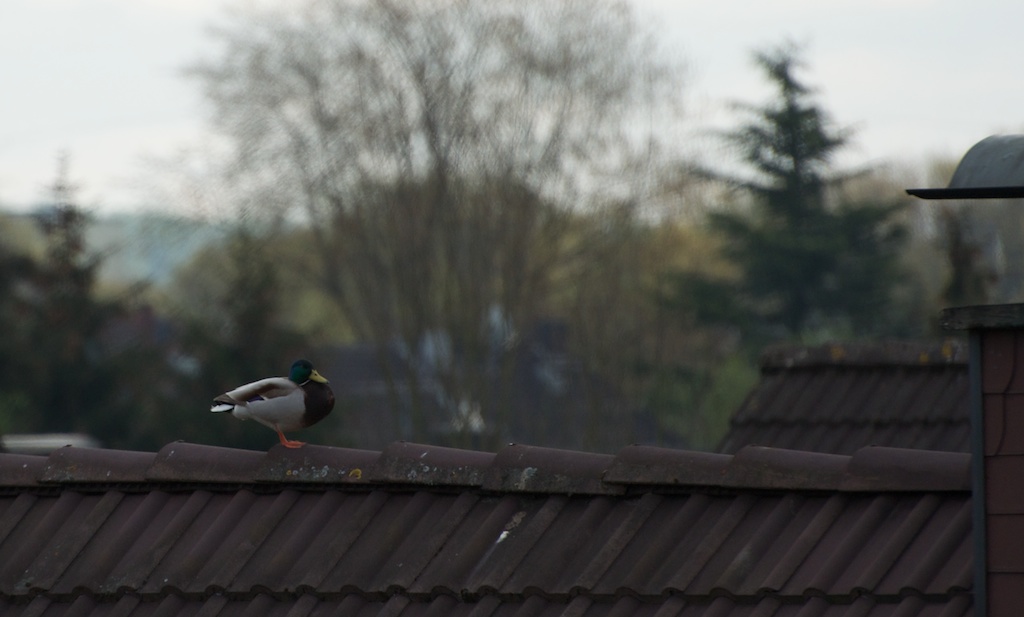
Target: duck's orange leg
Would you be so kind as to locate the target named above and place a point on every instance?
(289, 443)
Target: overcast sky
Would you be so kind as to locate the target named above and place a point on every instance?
(101, 79)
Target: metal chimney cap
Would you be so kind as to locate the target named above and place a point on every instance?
(992, 169)
(983, 317)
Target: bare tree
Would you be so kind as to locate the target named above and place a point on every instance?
(437, 151)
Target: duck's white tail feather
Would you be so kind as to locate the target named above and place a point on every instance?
(222, 407)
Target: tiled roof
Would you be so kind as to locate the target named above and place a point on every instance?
(421, 530)
(839, 398)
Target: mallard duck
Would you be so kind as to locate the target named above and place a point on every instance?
(284, 404)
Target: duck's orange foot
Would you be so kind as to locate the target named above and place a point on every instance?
(289, 443)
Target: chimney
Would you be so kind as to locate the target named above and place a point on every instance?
(996, 359)
(994, 169)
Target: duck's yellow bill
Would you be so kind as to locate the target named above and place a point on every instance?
(315, 376)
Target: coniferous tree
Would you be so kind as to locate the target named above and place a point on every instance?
(806, 263)
(71, 362)
(17, 274)
(63, 381)
(67, 319)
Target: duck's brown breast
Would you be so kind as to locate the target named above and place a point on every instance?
(319, 402)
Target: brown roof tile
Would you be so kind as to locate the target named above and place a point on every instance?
(186, 462)
(869, 469)
(421, 530)
(317, 465)
(268, 605)
(20, 469)
(403, 462)
(547, 470)
(90, 466)
(841, 397)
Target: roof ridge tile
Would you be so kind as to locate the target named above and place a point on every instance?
(20, 469)
(534, 469)
(879, 468)
(638, 464)
(872, 468)
(316, 464)
(188, 462)
(922, 354)
(514, 469)
(69, 465)
(405, 462)
(787, 469)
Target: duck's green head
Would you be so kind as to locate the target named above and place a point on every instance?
(303, 371)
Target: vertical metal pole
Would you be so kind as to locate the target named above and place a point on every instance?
(978, 472)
